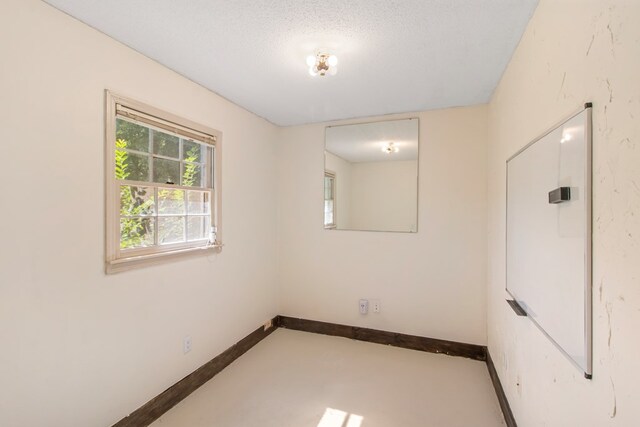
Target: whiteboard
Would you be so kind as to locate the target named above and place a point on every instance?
(549, 244)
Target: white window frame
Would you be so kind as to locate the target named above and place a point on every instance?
(118, 259)
(332, 176)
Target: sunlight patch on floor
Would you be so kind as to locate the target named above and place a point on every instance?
(298, 379)
(337, 418)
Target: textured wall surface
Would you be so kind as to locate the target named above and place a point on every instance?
(574, 52)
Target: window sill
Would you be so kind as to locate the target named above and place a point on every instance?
(130, 263)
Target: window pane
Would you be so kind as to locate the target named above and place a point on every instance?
(192, 175)
(136, 201)
(166, 171)
(170, 229)
(192, 151)
(132, 136)
(328, 212)
(136, 232)
(165, 144)
(131, 166)
(198, 228)
(170, 202)
(328, 188)
(197, 202)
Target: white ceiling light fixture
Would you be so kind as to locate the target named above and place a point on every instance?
(389, 148)
(322, 64)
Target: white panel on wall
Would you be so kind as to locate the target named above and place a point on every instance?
(548, 242)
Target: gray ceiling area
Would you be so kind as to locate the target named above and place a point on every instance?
(393, 56)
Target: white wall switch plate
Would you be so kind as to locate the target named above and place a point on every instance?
(364, 306)
(186, 344)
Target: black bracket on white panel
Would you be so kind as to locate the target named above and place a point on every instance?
(517, 307)
(559, 195)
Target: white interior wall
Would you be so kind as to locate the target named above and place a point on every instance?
(571, 53)
(384, 195)
(88, 347)
(80, 348)
(342, 202)
(420, 278)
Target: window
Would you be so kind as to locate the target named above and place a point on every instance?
(163, 176)
(329, 199)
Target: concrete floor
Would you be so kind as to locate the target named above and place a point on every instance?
(299, 379)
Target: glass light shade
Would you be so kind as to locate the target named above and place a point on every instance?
(311, 60)
(313, 72)
(332, 61)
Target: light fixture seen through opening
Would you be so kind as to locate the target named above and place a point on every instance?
(390, 148)
(566, 136)
(322, 64)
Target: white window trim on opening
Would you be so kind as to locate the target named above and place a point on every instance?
(121, 260)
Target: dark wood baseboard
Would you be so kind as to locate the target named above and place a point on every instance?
(432, 345)
(166, 400)
(502, 398)
(413, 342)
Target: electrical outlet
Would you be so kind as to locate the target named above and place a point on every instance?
(364, 306)
(186, 344)
(375, 305)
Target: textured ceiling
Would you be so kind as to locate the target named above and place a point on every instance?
(394, 56)
(364, 142)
